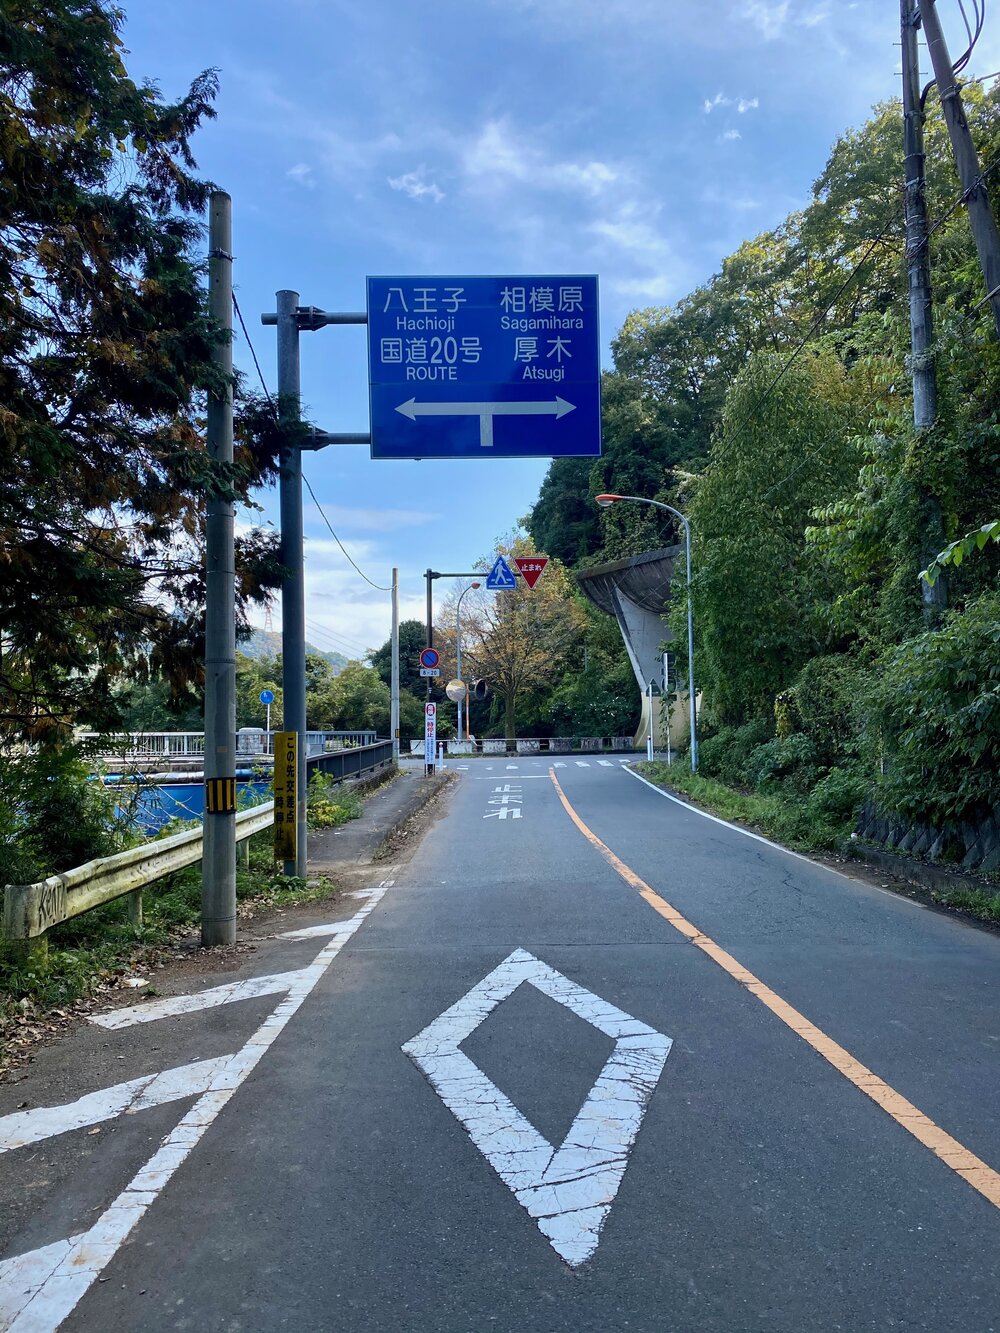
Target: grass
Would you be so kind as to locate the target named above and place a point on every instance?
(795, 825)
(791, 822)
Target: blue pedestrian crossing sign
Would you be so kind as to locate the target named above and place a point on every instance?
(484, 367)
(500, 577)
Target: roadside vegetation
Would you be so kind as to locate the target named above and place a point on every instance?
(96, 951)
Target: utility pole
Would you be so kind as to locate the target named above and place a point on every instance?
(918, 267)
(394, 671)
(976, 197)
(293, 595)
(218, 885)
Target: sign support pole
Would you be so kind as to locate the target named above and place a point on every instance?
(394, 669)
(218, 884)
(293, 612)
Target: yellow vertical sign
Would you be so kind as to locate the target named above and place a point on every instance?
(285, 796)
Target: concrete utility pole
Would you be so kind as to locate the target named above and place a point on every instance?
(919, 276)
(218, 886)
(394, 671)
(977, 200)
(293, 594)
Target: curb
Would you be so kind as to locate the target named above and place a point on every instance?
(922, 873)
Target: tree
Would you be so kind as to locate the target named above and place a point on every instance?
(761, 599)
(412, 641)
(105, 358)
(521, 640)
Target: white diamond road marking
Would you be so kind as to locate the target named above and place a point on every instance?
(568, 1190)
(40, 1288)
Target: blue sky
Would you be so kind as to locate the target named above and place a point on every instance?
(641, 140)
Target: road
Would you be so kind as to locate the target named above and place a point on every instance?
(592, 1061)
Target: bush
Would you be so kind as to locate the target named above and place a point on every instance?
(328, 805)
(787, 764)
(54, 815)
(936, 715)
(838, 796)
(829, 694)
(724, 755)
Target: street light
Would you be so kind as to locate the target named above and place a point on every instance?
(605, 502)
(458, 650)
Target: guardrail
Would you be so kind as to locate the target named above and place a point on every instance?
(341, 764)
(30, 909)
(191, 744)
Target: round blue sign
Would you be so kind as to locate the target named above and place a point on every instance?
(429, 658)
(267, 696)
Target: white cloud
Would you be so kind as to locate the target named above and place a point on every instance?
(772, 20)
(301, 173)
(769, 19)
(346, 519)
(742, 104)
(414, 185)
(730, 135)
(496, 157)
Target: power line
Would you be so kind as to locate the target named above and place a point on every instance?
(267, 394)
(378, 586)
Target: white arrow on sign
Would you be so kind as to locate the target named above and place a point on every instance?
(553, 407)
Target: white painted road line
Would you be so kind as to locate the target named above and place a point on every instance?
(605, 763)
(568, 1190)
(582, 763)
(41, 1288)
(175, 1005)
(138, 1094)
(347, 926)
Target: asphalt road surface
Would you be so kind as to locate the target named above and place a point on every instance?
(591, 1062)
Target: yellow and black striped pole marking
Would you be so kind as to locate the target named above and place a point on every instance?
(220, 796)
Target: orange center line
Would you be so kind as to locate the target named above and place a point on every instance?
(954, 1154)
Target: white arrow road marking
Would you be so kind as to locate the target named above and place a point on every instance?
(554, 407)
(40, 1289)
(568, 1190)
(175, 1005)
(138, 1094)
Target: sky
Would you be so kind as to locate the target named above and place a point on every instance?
(641, 140)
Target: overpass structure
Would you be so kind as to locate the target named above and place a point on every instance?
(636, 591)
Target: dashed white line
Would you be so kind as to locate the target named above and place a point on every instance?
(582, 763)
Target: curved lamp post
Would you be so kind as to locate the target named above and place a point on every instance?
(458, 652)
(605, 501)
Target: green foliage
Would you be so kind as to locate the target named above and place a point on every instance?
(955, 552)
(795, 823)
(329, 804)
(936, 712)
(785, 764)
(54, 815)
(830, 694)
(783, 447)
(105, 360)
(839, 795)
(412, 640)
(724, 753)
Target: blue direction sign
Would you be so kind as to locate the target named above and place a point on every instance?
(501, 577)
(484, 367)
(267, 696)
